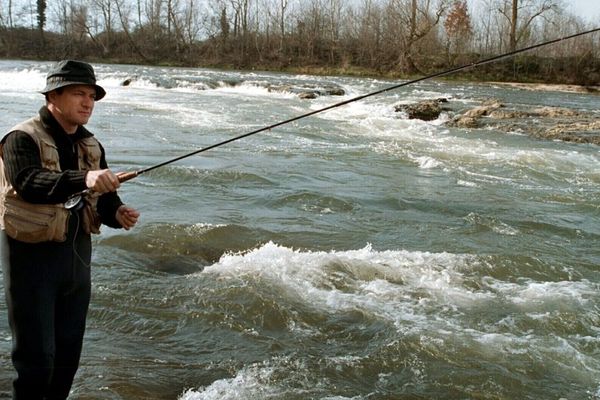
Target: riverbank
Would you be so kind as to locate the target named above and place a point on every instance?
(554, 87)
(507, 72)
(536, 83)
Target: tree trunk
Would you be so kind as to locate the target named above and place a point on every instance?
(283, 6)
(124, 25)
(513, 25)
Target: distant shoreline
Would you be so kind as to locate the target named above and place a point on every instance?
(551, 87)
(357, 72)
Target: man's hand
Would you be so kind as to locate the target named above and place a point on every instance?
(127, 217)
(102, 181)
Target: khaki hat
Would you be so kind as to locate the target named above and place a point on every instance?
(69, 72)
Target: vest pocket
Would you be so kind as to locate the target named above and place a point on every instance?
(91, 219)
(89, 154)
(34, 223)
(49, 155)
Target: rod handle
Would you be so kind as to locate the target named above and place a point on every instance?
(126, 176)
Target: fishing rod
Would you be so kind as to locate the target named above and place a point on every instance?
(126, 176)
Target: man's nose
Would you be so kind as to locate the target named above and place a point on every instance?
(89, 101)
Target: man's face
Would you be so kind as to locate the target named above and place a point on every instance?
(72, 107)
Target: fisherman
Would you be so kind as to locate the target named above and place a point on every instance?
(45, 247)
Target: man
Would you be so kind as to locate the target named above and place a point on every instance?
(45, 247)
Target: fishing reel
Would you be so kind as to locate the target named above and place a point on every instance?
(74, 203)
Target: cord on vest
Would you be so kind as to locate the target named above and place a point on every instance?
(76, 254)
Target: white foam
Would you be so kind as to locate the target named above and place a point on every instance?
(265, 380)
(559, 354)
(397, 286)
(30, 80)
(363, 112)
(458, 152)
(138, 83)
(570, 294)
(249, 383)
(380, 284)
(492, 223)
(427, 162)
(247, 89)
(464, 183)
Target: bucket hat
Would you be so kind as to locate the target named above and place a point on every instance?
(70, 72)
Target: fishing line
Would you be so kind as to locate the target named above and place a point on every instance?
(125, 176)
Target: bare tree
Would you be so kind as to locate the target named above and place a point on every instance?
(122, 12)
(153, 13)
(62, 11)
(183, 25)
(410, 22)
(104, 9)
(191, 23)
(241, 10)
(310, 30)
(520, 14)
(334, 10)
(282, 9)
(78, 19)
(384, 36)
(369, 26)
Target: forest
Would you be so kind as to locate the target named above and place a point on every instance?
(390, 38)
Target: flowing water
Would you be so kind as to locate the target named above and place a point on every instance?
(350, 255)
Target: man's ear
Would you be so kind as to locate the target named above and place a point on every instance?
(51, 96)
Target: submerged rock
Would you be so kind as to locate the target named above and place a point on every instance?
(471, 118)
(426, 110)
(578, 132)
(553, 112)
(308, 91)
(128, 81)
(503, 114)
(308, 95)
(464, 121)
(485, 109)
(335, 91)
(552, 123)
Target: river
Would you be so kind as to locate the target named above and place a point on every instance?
(351, 255)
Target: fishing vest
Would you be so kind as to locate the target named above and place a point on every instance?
(34, 223)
